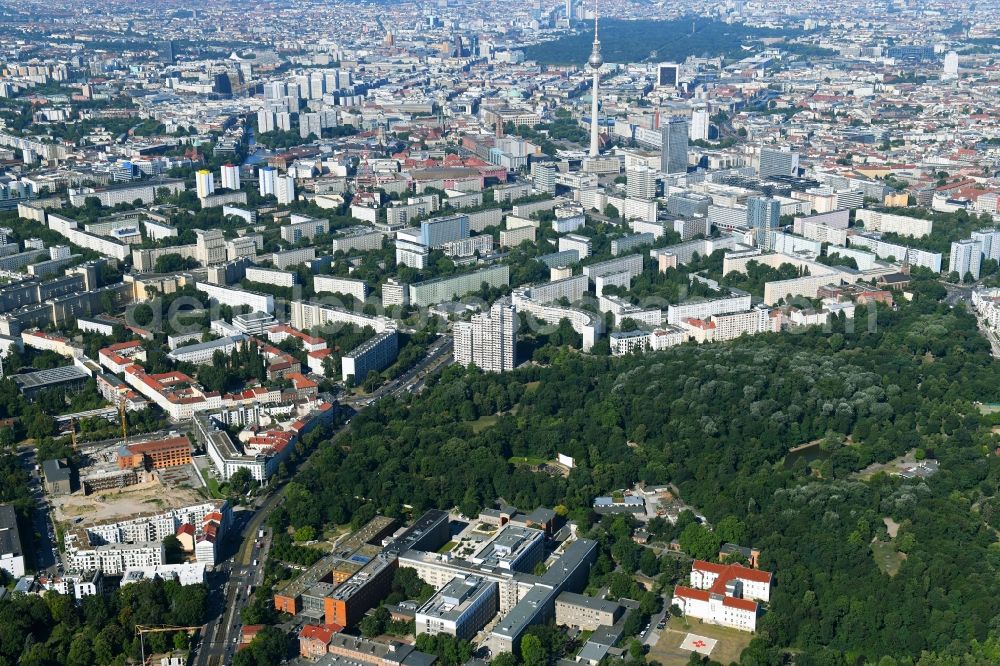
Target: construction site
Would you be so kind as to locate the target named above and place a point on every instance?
(121, 478)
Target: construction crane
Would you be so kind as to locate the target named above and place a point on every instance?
(141, 630)
(121, 419)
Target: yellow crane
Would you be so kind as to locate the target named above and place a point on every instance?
(141, 630)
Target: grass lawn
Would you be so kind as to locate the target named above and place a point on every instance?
(211, 489)
(531, 386)
(667, 649)
(887, 557)
(483, 422)
(447, 547)
(525, 460)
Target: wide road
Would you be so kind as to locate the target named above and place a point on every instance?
(229, 583)
(44, 556)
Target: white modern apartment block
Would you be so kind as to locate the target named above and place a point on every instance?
(489, 341)
(516, 236)
(284, 189)
(623, 309)
(789, 244)
(204, 183)
(913, 227)
(68, 229)
(569, 217)
(632, 342)
(571, 288)
(729, 326)
(271, 276)
(189, 573)
(837, 219)
(575, 242)
(987, 304)
(966, 258)
(631, 264)
(727, 218)
(230, 176)
(373, 355)
(268, 181)
(631, 208)
(990, 239)
(395, 293)
(293, 257)
(113, 559)
(589, 325)
(338, 285)
(899, 253)
(204, 352)
(409, 250)
(237, 297)
(302, 226)
(640, 182)
(706, 308)
(865, 260)
(821, 233)
(468, 247)
(210, 247)
(306, 316)
(359, 238)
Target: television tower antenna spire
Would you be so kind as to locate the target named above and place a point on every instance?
(594, 62)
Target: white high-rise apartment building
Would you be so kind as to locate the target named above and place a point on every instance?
(640, 182)
(268, 181)
(274, 90)
(966, 257)
(950, 65)
(210, 247)
(230, 177)
(489, 341)
(266, 121)
(699, 124)
(284, 189)
(204, 183)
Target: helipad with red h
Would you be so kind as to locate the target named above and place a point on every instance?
(700, 644)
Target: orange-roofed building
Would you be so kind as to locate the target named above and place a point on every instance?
(314, 639)
(724, 594)
(248, 633)
(185, 535)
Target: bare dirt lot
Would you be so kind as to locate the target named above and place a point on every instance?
(123, 503)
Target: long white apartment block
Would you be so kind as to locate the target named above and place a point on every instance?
(67, 228)
(631, 264)
(339, 285)
(271, 276)
(899, 253)
(821, 232)
(902, 225)
(232, 297)
(306, 316)
(706, 308)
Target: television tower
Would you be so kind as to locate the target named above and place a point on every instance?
(594, 62)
